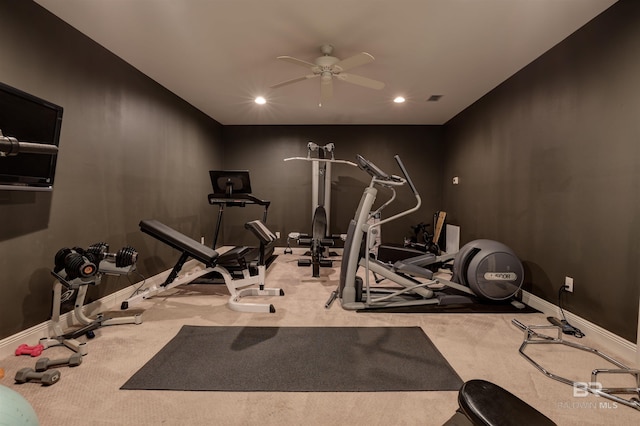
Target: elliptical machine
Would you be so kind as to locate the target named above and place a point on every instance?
(483, 269)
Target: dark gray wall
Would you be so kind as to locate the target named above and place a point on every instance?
(549, 163)
(262, 150)
(129, 150)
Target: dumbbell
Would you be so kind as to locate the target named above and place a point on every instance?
(43, 364)
(25, 349)
(47, 378)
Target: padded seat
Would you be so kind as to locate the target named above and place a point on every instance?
(485, 403)
(261, 231)
(179, 241)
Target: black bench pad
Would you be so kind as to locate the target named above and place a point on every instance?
(261, 231)
(485, 403)
(179, 241)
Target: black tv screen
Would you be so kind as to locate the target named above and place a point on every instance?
(28, 118)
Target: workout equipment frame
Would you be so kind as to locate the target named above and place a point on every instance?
(532, 337)
(238, 287)
(77, 276)
(232, 188)
(354, 294)
(321, 168)
(320, 239)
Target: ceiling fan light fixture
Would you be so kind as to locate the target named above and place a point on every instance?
(327, 67)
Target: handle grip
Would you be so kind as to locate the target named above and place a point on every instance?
(406, 175)
(11, 147)
(519, 324)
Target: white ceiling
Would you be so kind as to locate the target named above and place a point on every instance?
(219, 54)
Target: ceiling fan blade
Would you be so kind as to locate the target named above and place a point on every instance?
(326, 90)
(297, 61)
(361, 81)
(293, 80)
(353, 61)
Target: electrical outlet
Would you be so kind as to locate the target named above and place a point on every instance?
(202, 240)
(277, 234)
(568, 284)
(456, 180)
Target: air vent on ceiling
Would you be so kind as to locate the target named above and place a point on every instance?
(434, 98)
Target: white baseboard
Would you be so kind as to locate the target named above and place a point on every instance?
(617, 347)
(32, 336)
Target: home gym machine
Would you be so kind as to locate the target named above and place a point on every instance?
(320, 239)
(189, 248)
(483, 269)
(75, 270)
(232, 188)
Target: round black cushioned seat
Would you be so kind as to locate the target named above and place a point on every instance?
(485, 403)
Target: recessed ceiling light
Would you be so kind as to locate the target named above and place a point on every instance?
(399, 99)
(260, 100)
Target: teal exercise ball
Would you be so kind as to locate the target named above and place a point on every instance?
(15, 410)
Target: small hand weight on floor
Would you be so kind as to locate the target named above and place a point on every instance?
(43, 364)
(47, 378)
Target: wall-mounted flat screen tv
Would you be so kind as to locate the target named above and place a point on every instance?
(28, 118)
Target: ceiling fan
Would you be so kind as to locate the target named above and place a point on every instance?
(327, 67)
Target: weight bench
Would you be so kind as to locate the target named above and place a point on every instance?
(484, 403)
(189, 248)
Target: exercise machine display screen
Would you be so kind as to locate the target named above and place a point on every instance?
(230, 182)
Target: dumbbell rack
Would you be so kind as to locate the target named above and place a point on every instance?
(57, 335)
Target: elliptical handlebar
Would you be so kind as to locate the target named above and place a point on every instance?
(389, 181)
(406, 174)
(371, 168)
(377, 173)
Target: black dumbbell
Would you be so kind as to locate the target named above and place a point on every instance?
(49, 377)
(43, 364)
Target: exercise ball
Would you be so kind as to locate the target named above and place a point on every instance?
(15, 410)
